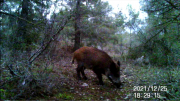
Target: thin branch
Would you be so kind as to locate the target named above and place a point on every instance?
(153, 36)
(11, 70)
(166, 11)
(16, 17)
(155, 10)
(172, 5)
(45, 46)
(171, 20)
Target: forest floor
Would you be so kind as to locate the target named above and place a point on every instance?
(63, 81)
(72, 89)
(69, 88)
(54, 78)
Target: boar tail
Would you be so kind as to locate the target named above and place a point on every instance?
(73, 60)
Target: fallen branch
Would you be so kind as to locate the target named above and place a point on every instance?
(11, 70)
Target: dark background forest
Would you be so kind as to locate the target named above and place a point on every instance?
(36, 50)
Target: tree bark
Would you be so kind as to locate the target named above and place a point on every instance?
(22, 26)
(76, 26)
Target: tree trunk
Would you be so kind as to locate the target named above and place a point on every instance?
(76, 26)
(22, 27)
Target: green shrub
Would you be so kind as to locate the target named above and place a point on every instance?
(64, 96)
(155, 76)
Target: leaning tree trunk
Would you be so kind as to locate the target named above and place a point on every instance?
(76, 26)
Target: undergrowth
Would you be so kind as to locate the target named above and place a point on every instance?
(163, 80)
(28, 85)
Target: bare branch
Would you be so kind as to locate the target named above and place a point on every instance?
(45, 46)
(172, 5)
(11, 70)
(16, 17)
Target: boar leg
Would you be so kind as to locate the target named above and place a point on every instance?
(78, 69)
(83, 74)
(99, 76)
(100, 79)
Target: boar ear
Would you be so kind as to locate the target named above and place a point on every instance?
(118, 63)
(113, 67)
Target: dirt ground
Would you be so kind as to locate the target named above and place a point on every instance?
(69, 88)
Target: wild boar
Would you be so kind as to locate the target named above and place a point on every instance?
(99, 62)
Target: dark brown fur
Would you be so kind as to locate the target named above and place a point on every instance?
(98, 61)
